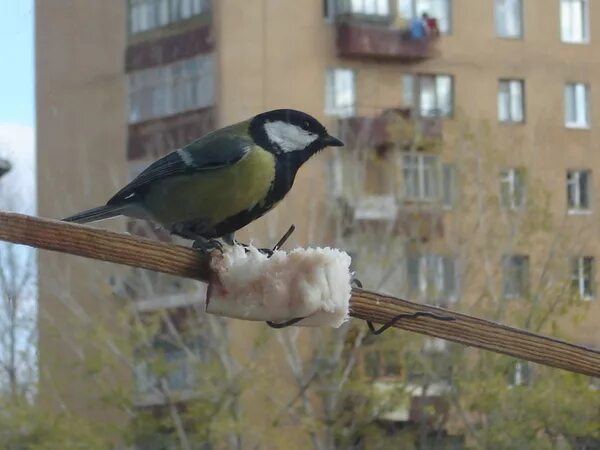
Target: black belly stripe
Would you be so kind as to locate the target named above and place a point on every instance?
(285, 173)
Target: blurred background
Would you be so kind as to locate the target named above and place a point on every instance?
(467, 181)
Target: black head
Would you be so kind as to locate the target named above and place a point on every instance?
(288, 130)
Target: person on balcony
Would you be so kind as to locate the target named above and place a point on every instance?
(431, 25)
(417, 28)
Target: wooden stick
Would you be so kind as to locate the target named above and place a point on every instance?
(177, 260)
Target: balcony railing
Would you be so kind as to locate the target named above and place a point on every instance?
(153, 138)
(399, 127)
(418, 222)
(367, 40)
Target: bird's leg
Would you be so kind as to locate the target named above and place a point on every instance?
(229, 239)
(268, 251)
(207, 245)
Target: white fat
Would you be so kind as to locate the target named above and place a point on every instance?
(312, 283)
(289, 137)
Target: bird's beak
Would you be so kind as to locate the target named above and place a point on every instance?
(330, 141)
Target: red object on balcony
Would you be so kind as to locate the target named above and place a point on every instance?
(361, 40)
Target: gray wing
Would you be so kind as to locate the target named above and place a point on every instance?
(213, 151)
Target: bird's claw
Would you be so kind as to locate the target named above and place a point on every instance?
(265, 251)
(207, 245)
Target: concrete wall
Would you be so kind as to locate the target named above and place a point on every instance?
(81, 138)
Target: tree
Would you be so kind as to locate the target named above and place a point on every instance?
(181, 379)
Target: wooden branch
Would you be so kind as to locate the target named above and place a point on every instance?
(177, 260)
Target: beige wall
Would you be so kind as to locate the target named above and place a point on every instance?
(293, 67)
(271, 54)
(81, 161)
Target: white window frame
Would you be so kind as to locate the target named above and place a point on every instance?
(448, 186)
(573, 29)
(424, 168)
(579, 276)
(337, 80)
(431, 277)
(184, 85)
(513, 180)
(575, 186)
(425, 94)
(145, 15)
(509, 18)
(409, 9)
(379, 8)
(520, 374)
(577, 105)
(521, 270)
(511, 101)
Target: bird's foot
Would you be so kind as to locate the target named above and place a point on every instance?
(207, 245)
(269, 251)
(264, 251)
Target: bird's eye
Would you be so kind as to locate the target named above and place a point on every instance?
(306, 125)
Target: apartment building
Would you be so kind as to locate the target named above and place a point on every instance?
(122, 83)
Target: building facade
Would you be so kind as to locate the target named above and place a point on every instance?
(446, 133)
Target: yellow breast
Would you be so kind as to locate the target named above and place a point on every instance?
(213, 195)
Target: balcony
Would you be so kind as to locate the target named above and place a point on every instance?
(398, 127)
(153, 138)
(170, 48)
(420, 405)
(423, 223)
(367, 40)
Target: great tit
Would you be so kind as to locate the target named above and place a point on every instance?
(221, 182)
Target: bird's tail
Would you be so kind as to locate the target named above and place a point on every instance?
(99, 213)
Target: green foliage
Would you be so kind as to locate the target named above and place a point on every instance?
(26, 426)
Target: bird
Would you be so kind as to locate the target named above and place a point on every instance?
(221, 182)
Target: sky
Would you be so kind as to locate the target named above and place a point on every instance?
(17, 94)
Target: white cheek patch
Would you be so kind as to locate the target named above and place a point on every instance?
(288, 137)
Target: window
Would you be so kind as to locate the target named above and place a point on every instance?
(433, 277)
(582, 276)
(509, 18)
(430, 95)
(169, 362)
(439, 9)
(448, 186)
(577, 110)
(510, 101)
(174, 88)
(329, 9)
(340, 92)
(519, 374)
(370, 7)
(420, 177)
(574, 21)
(516, 276)
(578, 190)
(512, 189)
(146, 15)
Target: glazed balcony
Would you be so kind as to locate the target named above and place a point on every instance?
(399, 127)
(153, 138)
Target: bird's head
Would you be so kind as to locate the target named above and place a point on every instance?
(289, 131)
